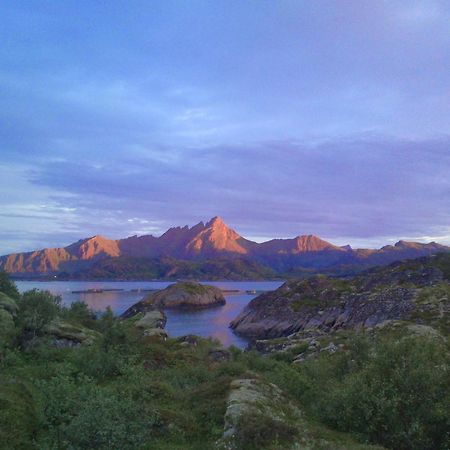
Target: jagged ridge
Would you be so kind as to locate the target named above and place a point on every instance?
(211, 240)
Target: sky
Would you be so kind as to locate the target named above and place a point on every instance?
(325, 117)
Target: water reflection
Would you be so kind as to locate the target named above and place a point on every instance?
(211, 322)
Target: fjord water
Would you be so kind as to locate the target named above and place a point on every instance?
(212, 322)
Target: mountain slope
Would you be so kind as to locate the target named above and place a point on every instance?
(214, 240)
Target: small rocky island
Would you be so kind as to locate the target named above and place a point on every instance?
(182, 295)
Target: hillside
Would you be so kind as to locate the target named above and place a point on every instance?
(71, 380)
(166, 268)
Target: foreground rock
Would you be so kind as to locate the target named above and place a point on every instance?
(152, 319)
(259, 415)
(253, 402)
(65, 334)
(184, 295)
(152, 323)
(412, 291)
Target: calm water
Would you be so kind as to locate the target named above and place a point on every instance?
(209, 322)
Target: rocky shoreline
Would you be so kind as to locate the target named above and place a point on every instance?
(328, 304)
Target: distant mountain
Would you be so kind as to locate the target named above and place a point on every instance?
(210, 241)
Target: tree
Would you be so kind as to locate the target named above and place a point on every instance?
(8, 287)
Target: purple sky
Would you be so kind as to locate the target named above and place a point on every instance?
(285, 118)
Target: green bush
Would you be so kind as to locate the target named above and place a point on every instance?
(8, 287)
(78, 312)
(259, 431)
(398, 398)
(36, 310)
(79, 414)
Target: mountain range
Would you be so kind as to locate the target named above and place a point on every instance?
(204, 244)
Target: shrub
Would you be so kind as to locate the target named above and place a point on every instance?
(259, 431)
(8, 287)
(36, 310)
(19, 418)
(80, 414)
(78, 312)
(399, 398)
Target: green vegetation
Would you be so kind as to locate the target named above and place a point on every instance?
(131, 268)
(127, 391)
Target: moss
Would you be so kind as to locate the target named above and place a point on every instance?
(192, 288)
(304, 303)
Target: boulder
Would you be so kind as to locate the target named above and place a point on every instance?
(156, 332)
(152, 319)
(260, 415)
(183, 295)
(219, 354)
(252, 400)
(189, 339)
(68, 335)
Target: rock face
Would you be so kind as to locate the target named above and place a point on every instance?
(184, 295)
(327, 304)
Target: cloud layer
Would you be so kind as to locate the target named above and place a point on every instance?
(286, 118)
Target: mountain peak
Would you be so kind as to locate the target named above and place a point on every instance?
(216, 221)
(310, 242)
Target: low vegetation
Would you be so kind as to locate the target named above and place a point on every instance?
(132, 268)
(127, 391)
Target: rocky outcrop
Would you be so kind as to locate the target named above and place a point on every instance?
(327, 304)
(252, 399)
(260, 415)
(183, 295)
(152, 319)
(65, 334)
(309, 344)
(152, 323)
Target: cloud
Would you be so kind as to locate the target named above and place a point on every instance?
(288, 118)
(360, 188)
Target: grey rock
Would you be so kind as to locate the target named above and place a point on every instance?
(156, 332)
(219, 354)
(67, 334)
(152, 319)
